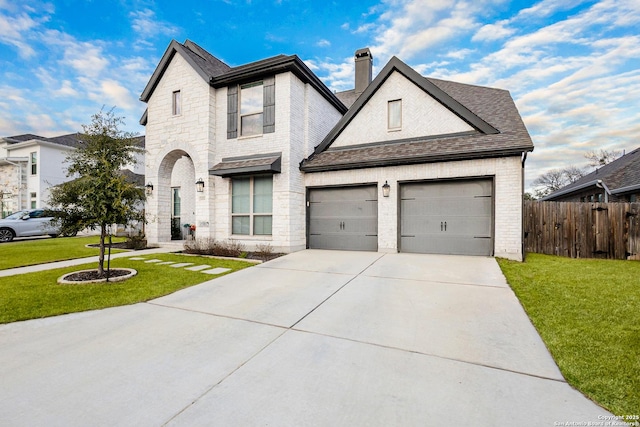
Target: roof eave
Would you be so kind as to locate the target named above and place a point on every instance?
(277, 65)
(627, 189)
(516, 151)
(564, 192)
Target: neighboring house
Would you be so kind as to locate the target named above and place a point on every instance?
(618, 181)
(413, 165)
(30, 165)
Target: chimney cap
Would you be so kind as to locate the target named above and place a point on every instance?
(360, 53)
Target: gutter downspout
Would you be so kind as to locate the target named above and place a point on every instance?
(601, 184)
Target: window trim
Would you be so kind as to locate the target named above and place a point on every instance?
(251, 214)
(176, 103)
(251, 113)
(33, 162)
(389, 104)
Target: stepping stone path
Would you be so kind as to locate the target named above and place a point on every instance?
(203, 268)
(181, 264)
(198, 267)
(217, 270)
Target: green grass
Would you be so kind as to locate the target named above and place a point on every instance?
(40, 251)
(587, 311)
(36, 295)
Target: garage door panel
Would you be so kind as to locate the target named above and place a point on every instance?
(453, 217)
(447, 189)
(343, 218)
(458, 245)
(339, 241)
(445, 205)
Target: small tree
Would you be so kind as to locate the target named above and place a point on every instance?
(100, 195)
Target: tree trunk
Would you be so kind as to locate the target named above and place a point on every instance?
(103, 234)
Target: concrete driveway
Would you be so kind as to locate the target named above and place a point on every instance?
(323, 338)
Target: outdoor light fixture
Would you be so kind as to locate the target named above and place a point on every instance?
(200, 185)
(149, 188)
(386, 189)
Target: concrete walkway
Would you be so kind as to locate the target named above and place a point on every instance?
(79, 261)
(322, 338)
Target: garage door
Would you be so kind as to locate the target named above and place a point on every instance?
(343, 218)
(450, 217)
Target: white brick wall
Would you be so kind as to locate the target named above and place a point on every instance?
(421, 115)
(506, 173)
(303, 117)
(169, 138)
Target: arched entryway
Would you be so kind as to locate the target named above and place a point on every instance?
(176, 196)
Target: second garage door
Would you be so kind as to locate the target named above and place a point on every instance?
(343, 218)
(449, 217)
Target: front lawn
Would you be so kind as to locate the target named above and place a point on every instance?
(40, 251)
(587, 311)
(35, 295)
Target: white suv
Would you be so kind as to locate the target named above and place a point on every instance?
(27, 223)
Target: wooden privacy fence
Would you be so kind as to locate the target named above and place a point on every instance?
(583, 230)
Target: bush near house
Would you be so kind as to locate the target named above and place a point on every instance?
(587, 311)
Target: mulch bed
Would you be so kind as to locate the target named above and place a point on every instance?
(83, 276)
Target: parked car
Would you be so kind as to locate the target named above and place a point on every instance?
(33, 222)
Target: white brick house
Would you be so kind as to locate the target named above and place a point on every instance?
(414, 164)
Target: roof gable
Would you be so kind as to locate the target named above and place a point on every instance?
(396, 65)
(498, 129)
(205, 64)
(421, 116)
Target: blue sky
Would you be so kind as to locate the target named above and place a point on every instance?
(572, 66)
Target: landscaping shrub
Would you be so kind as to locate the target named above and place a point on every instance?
(209, 246)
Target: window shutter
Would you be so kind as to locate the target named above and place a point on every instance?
(269, 117)
(232, 112)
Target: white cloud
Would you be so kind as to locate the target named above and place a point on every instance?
(364, 28)
(16, 28)
(323, 43)
(144, 22)
(491, 32)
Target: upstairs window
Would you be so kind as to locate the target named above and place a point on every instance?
(34, 163)
(176, 104)
(394, 114)
(251, 108)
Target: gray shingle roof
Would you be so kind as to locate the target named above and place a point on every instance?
(70, 140)
(619, 174)
(219, 74)
(22, 138)
(234, 166)
(500, 130)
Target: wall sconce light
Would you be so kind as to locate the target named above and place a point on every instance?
(149, 188)
(200, 185)
(386, 189)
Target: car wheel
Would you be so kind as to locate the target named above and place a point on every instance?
(6, 234)
(53, 235)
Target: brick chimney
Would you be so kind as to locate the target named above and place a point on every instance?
(364, 62)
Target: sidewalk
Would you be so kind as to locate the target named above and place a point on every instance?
(79, 261)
